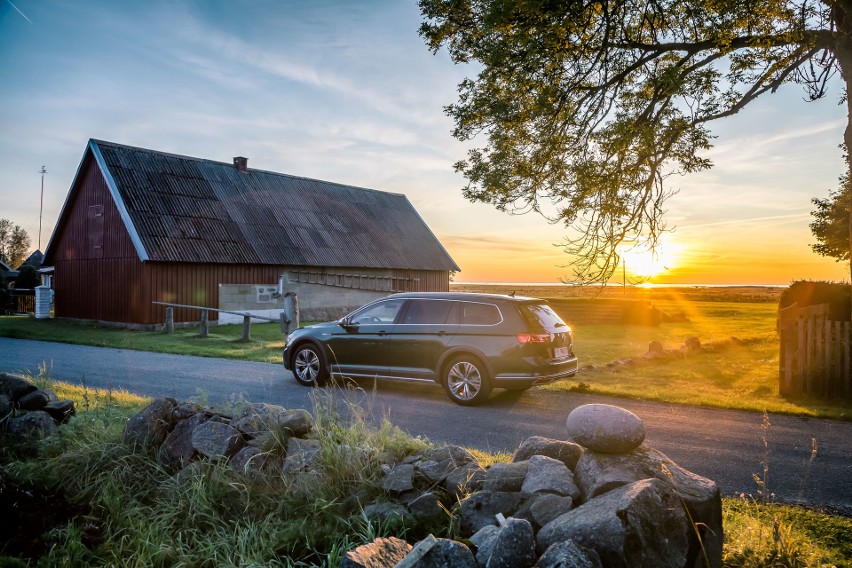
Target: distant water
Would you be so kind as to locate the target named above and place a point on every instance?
(618, 285)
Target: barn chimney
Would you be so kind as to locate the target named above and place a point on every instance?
(241, 163)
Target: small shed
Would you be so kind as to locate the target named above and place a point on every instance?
(140, 226)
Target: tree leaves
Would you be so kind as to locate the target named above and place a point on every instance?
(587, 108)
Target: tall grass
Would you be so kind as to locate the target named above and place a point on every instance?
(209, 514)
(136, 513)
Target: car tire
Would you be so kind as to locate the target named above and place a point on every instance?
(466, 380)
(309, 366)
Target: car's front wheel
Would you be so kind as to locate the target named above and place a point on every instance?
(466, 380)
(309, 366)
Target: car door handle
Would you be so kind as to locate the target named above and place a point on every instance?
(382, 332)
(442, 332)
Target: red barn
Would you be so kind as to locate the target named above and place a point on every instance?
(140, 226)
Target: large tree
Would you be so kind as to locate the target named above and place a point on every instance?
(588, 107)
(14, 243)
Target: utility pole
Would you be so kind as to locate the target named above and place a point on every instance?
(41, 205)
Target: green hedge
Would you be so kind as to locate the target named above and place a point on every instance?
(813, 292)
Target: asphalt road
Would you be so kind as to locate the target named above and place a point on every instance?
(724, 445)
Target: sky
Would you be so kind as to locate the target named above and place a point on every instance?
(348, 92)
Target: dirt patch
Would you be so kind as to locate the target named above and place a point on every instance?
(28, 514)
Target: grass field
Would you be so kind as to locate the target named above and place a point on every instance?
(265, 346)
(132, 512)
(738, 370)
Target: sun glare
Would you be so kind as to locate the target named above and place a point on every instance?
(643, 262)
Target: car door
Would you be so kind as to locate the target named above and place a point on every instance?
(420, 337)
(360, 347)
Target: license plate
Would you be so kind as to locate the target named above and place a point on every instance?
(560, 353)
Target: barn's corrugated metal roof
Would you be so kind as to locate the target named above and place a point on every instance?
(185, 209)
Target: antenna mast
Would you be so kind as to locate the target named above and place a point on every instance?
(41, 205)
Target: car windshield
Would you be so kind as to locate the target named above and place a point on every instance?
(544, 316)
(382, 312)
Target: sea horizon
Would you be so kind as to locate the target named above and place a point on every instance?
(619, 285)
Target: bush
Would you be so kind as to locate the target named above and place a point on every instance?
(4, 296)
(814, 292)
(28, 278)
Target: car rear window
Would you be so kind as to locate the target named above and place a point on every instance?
(543, 315)
(480, 314)
(427, 312)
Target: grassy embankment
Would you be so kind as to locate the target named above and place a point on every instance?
(741, 373)
(129, 511)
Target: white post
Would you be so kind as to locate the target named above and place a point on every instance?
(42, 302)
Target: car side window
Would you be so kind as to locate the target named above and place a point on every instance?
(383, 312)
(480, 314)
(427, 312)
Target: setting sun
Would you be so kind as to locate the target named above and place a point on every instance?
(640, 260)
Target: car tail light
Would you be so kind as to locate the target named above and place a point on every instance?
(524, 338)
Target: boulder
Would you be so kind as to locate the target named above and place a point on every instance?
(177, 449)
(37, 399)
(60, 410)
(638, 525)
(548, 475)
(385, 512)
(566, 452)
(254, 424)
(605, 428)
(433, 472)
(598, 473)
(297, 422)
(513, 546)
(447, 553)
(568, 554)
(34, 424)
(186, 409)
(379, 553)
(15, 387)
(505, 476)
(152, 424)
(458, 455)
(400, 479)
(7, 408)
(482, 538)
(301, 455)
(427, 506)
(479, 509)
(213, 439)
(547, 507)
(248, 460)
(464, 480)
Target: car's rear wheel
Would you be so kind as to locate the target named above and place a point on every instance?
(466, 380)
(309, 365)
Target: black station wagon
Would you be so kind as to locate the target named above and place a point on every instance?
(469, 343)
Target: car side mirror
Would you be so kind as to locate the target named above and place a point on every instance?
(347, 324)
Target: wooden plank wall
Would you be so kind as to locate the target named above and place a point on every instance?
(815, 353)
(194, 285)
(96, 264)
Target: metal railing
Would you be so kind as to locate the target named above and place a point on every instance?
(288, 318)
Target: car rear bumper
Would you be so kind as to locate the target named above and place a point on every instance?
(541, 376)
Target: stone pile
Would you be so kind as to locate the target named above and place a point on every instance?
(186, 432)
(28, 412)
(603, 498)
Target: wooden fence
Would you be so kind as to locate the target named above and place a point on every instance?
(22, 301)
(815, 353)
